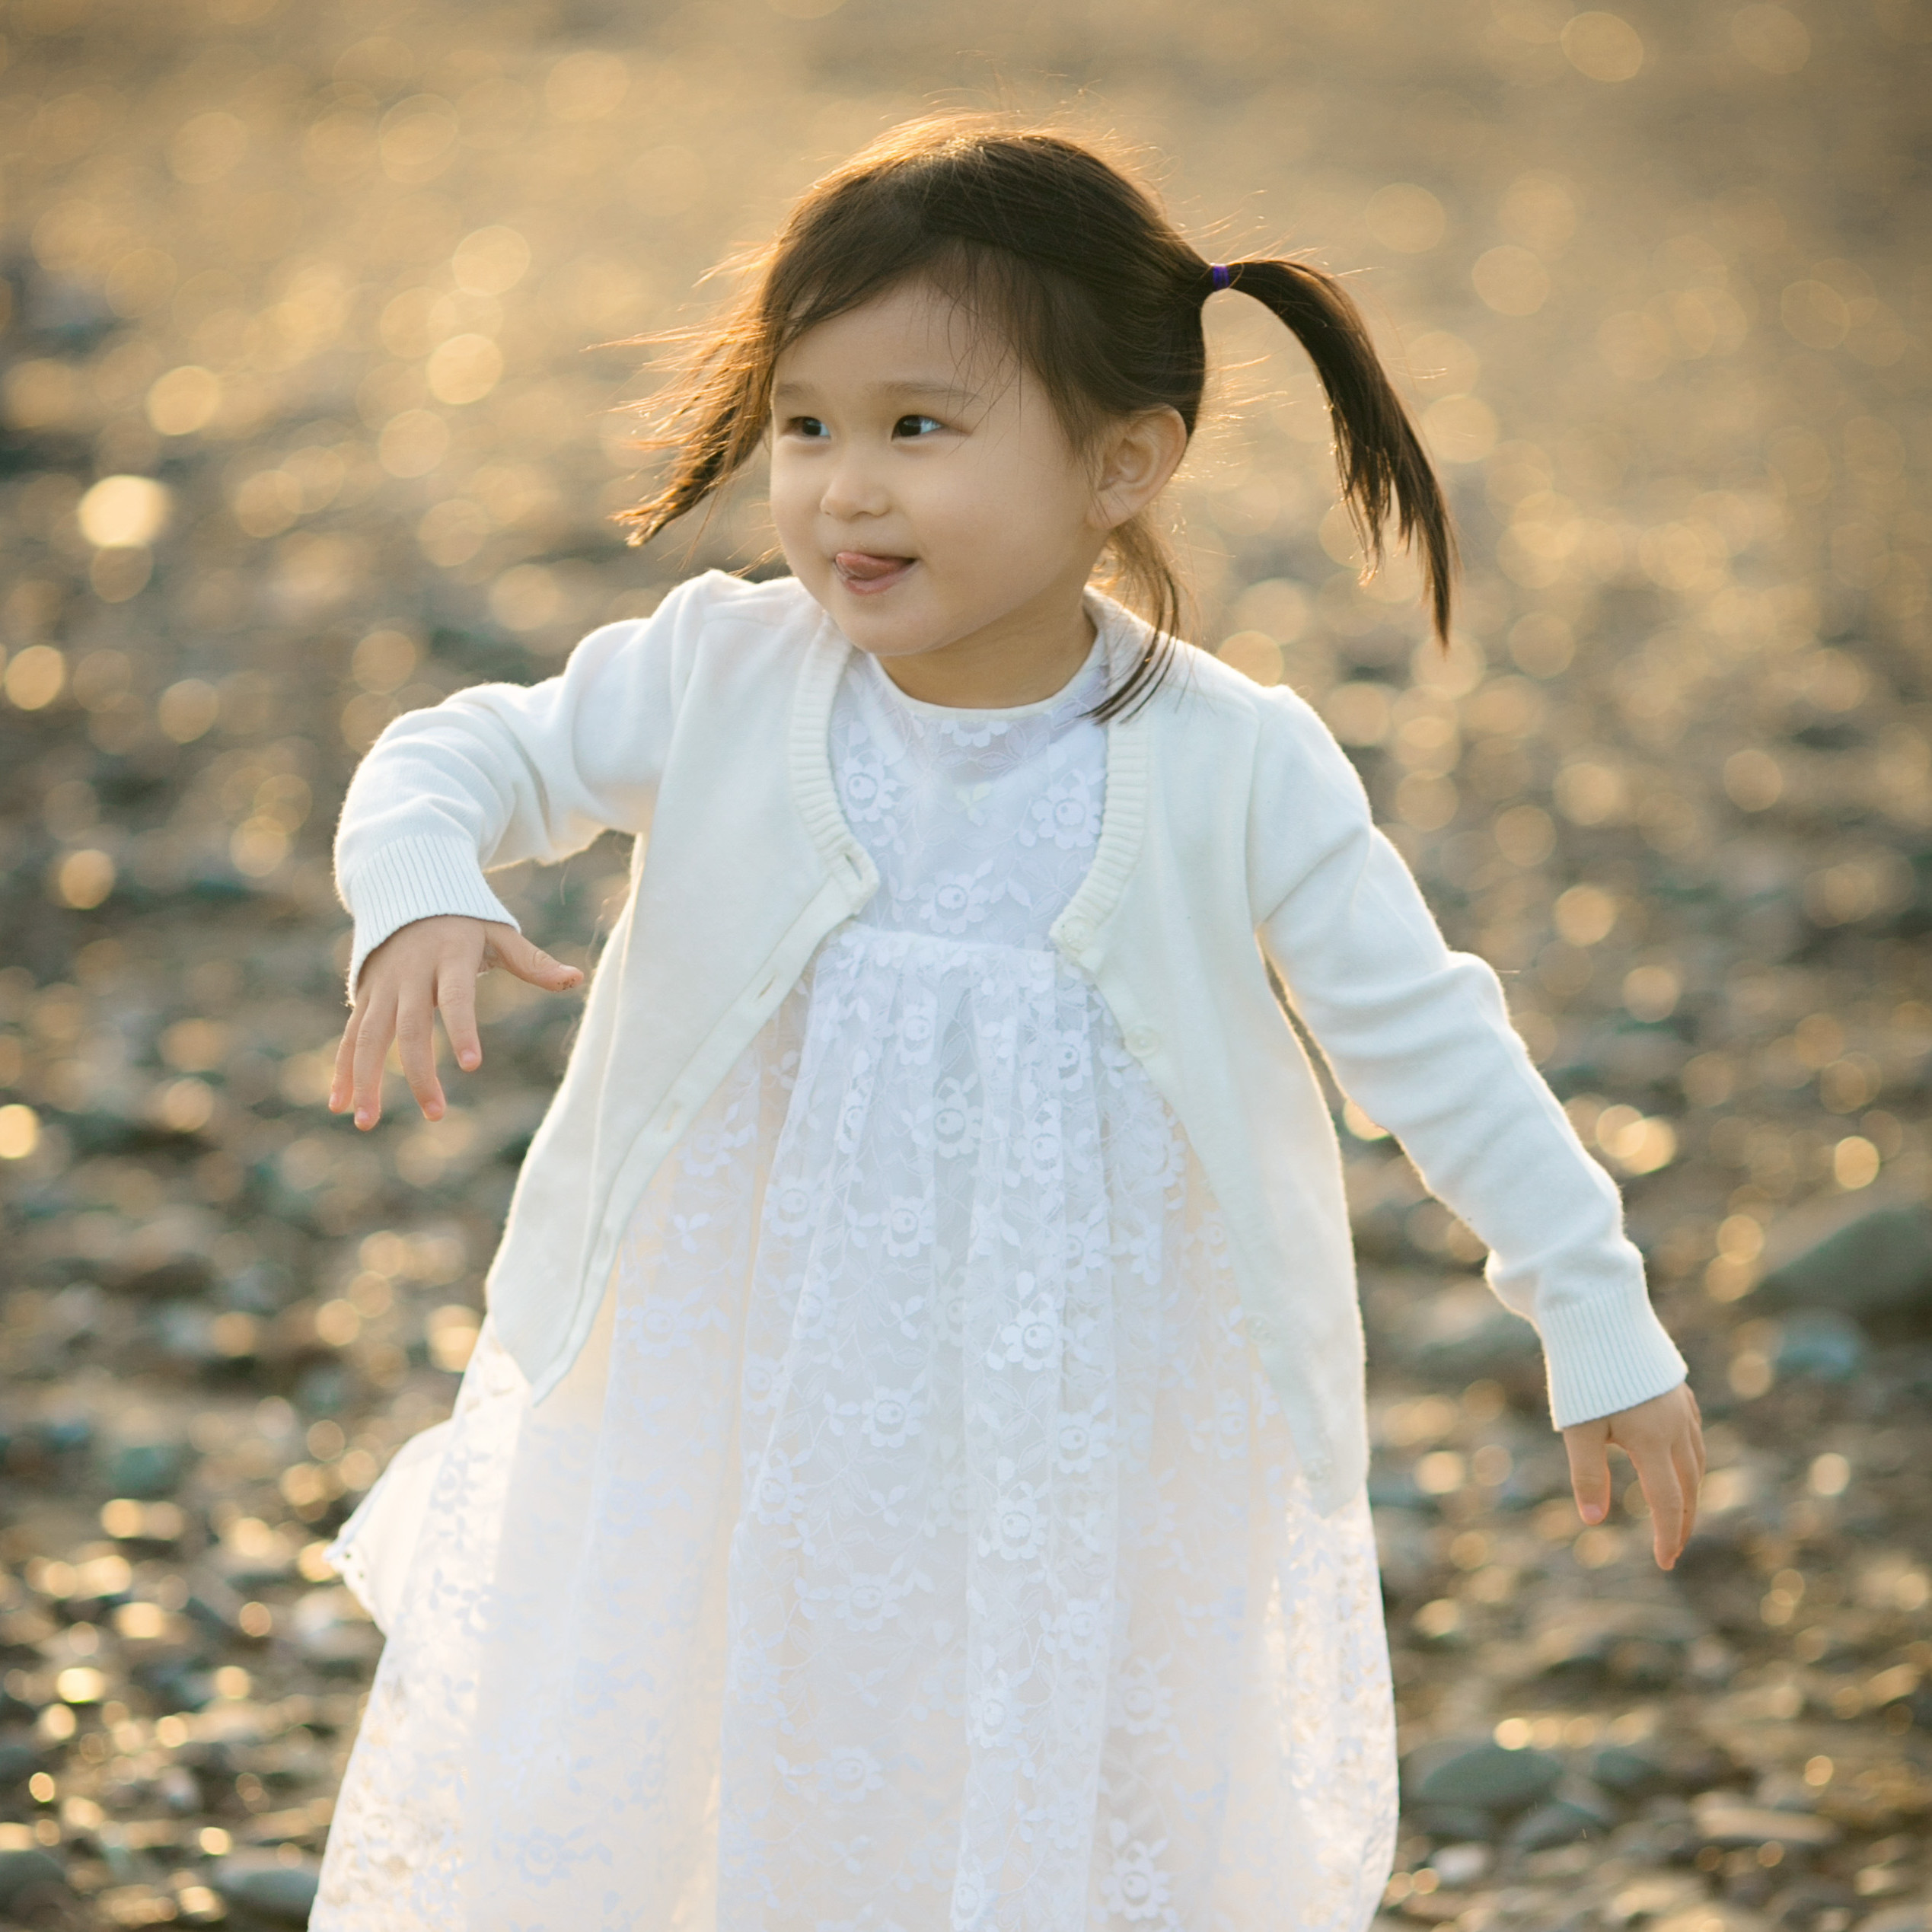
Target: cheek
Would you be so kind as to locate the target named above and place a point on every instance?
(794, 507)
(785, 493)
(989, 504)
(1038, 494)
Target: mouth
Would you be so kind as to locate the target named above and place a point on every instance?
(866, 574)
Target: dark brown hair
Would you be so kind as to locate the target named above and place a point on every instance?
(1090, 285)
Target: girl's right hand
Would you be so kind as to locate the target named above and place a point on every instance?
(428, 964)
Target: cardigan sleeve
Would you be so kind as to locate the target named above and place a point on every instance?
(500, 773)
(1419, 1037)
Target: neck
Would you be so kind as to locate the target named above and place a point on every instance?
(1028, 655)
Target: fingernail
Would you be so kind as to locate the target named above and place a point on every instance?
(467, 1060)
(362, 1117)
(1593, 1513)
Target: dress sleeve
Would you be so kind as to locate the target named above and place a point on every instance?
(1419, 1037)
(500, 773)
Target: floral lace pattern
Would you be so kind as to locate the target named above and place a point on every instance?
(918, 1543)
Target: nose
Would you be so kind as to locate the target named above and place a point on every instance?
(853, 488)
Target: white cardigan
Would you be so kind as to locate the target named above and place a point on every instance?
(1236, 833)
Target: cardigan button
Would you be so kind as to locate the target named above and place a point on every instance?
(1143, 1040)
(1260, 1328)
(1078, 934)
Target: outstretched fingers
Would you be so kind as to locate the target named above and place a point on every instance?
(1689, 1466)
(1589, 1446)
(1664, 1439)
(425, 966)
(456, 994)
(415, 1040)
(1663, 1492)
(509, 949)
(342, 1081)
(374, 1031)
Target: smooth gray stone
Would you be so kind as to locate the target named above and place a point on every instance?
(1483, 1775)
(148, 1471)
(1562, 1821)
(283, 1892)
(1628, 1774)
(24, 1872)
(1821, 1343)
(1452, 1824)
(1881, 1265)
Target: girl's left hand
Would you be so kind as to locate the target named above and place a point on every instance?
(1664, 1439)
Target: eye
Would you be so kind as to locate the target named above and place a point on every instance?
(929, 423)
(810, 427)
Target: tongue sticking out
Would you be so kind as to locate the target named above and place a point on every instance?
(863, 567)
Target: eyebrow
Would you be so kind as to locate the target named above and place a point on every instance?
(949, 391)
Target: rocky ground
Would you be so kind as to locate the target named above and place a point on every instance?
(310, 380)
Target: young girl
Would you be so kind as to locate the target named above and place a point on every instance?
(911, 1473)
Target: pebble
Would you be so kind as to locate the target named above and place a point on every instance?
(1628, 1774)
(285, 1893)
(1722, 1822)
(1464, 1333)
(1635, 1643)
(1782, 1790)
(1564, 1821)
(1881, 1265)
(1798, 1908)
(1821, 1343)
(1714, 1915)
(1915, 1918)
(23, 1875)
(1459, 1865)
(148, 1471)
(1653, 1894)
(1485, 1776)
(1452, 1824)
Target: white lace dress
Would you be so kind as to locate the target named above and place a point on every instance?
(917, 1544)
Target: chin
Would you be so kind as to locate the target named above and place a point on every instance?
(885, 627)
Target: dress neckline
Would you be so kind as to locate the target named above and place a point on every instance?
(1079, 928)
(1002, 713)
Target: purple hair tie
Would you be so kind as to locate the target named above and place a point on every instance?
(1218, 271)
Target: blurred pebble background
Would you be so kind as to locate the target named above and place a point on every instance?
(314, 384)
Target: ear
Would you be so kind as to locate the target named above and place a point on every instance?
(1136, 460)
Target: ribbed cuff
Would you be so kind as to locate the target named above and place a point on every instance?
(1606, 1355)
(412, 879)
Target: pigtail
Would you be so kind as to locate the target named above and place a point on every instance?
(710, 416)
(1384, 470)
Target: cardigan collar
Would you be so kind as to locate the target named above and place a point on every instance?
(1122, 816)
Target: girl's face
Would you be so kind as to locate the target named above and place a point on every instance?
(926, 496)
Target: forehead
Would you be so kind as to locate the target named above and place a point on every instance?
(913, 333)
